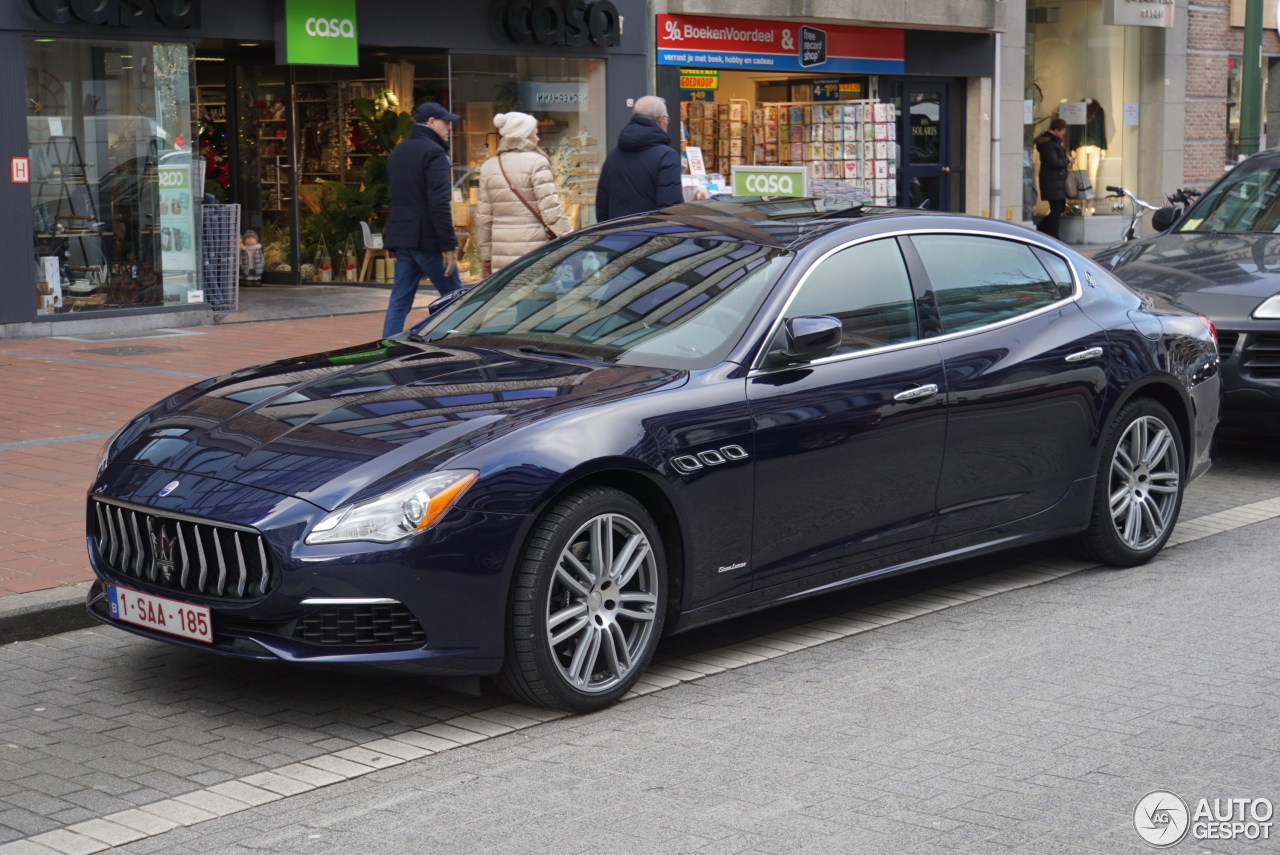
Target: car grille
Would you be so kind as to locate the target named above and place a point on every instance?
(1261, 355)
(182, 555)
(360, 625)
(1227, 342)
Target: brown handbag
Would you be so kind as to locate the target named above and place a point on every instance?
(550, 234)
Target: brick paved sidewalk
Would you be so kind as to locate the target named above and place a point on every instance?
(61, 399)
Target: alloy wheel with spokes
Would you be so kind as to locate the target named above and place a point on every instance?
(1141, 476)
(588, 602)
(602, 603)
(1144, 482)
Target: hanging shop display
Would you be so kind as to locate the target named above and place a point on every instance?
(746, 100)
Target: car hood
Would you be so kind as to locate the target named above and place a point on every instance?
(1225, 276)
(335, 426)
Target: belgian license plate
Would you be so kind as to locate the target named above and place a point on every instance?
(161, 614)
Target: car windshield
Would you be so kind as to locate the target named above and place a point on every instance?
(637, 298)
(1247, 200)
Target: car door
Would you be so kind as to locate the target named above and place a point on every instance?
(848, 448)
(1026, 373)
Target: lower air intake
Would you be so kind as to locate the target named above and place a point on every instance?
(360, 625)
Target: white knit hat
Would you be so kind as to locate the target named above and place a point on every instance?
(515, 126)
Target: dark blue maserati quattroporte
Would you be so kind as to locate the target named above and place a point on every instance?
(649, 425)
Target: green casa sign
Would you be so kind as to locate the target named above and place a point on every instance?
(770, 181)
(317, 32)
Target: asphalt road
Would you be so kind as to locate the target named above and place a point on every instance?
(1024, 720)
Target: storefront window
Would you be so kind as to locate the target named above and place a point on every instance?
(567, 96)
(114, 187)
(1087, 73)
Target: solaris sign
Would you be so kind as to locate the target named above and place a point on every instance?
(318, 32)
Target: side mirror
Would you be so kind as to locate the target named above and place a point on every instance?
(809, 337)
(444, 300)
(1163, 218)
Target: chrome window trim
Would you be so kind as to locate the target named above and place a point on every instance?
(173, 515)
(758, 369)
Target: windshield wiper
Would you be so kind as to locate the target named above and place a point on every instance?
(533, 348)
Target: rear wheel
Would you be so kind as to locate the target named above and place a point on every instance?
(586, 610)
(1140, 484)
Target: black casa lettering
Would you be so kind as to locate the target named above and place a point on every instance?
(575, 23)
(572, 23)
(178, 14)
(94, 11)
(602, 24)
(137, 13)
(547, 21)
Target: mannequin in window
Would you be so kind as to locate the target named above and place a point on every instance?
(1087, 143)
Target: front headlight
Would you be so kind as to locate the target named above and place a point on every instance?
(1269, 309)
(397, 514)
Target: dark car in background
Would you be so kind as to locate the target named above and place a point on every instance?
(1222, 259)
(649, 425)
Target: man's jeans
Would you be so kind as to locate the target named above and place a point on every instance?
(411, 266)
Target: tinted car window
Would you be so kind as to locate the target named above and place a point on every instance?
(649, 299)
(979, 280)
(1058, 269)
(1247, 200)
(867, 288)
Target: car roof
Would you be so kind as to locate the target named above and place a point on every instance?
(786, 223)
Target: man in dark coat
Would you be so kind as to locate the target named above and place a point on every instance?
(643, 172)
(1054, 164)
(420, 226)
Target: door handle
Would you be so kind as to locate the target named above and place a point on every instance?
(1085, 355)
(946, 169)
(918, 393)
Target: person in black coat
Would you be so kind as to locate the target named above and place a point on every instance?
(420, 227)
(643, 172)
(1054, 164)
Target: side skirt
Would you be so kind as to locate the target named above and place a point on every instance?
(1069, 516)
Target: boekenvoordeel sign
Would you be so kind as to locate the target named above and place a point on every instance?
(179, 14)
(778, 45)
(318, 32)
(571, 23)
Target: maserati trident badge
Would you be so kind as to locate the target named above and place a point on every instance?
(168, 488)
(162, 553)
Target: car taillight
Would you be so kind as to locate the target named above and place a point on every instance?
(1213, 329)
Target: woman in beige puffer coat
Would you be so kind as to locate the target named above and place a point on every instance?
(506, 226)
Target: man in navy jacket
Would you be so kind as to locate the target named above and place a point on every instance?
(420, 226)
(643, 172)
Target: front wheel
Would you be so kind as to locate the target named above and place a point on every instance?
(1141, 477)
(587, 604)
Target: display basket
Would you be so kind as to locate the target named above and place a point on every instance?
(220, 261)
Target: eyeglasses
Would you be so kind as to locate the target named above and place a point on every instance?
(664, 118)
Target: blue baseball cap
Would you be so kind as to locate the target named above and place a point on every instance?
(432, 110)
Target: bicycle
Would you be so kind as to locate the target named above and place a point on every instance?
(1162, 218)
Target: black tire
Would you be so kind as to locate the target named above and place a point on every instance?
(539, 672)
(1126, 544)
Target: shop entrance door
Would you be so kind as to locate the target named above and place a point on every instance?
(926, 132)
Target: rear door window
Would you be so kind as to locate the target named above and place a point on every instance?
(980, 280)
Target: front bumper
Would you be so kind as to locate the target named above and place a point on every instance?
(453, 579)
(1251, 377)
